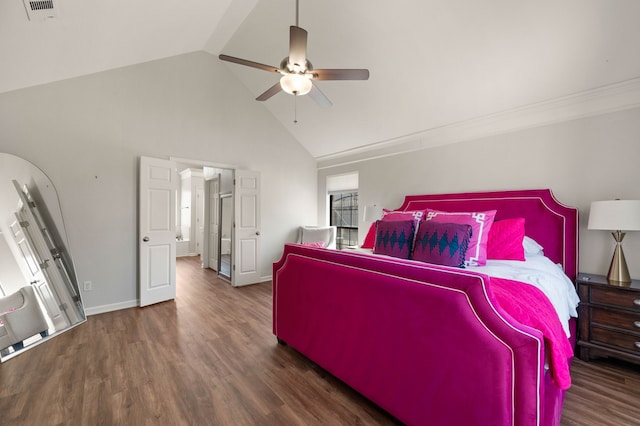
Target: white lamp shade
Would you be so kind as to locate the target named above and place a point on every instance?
(372, 213)
(615, 215)
(296, 84)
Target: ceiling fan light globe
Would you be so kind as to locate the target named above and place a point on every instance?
(296, 84)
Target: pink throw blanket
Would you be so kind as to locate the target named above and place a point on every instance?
(529, 306)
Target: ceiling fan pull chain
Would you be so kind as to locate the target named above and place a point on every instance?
(295, 109)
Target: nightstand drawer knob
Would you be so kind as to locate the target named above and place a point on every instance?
(636, 324)
(636, 302)
(637, 345)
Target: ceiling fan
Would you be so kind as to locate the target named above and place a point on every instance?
(297, 72)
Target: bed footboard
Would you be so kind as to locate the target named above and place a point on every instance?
(425, 343)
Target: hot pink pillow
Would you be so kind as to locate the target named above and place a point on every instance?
(480, 225)
(505, 240)
(370, 238)
(391, 216)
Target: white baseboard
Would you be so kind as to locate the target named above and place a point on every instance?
(111, 307)
(132, 303)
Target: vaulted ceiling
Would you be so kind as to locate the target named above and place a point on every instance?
(433, 63)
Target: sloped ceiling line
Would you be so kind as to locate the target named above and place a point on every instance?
(602, 100)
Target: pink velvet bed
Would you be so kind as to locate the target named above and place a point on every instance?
(428, 344)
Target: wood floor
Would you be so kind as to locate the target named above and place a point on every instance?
(209, 358)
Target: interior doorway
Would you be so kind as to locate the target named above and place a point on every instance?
(205, 216)
(160, 231)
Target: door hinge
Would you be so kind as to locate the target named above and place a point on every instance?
(55, 253)
(23, 223)
(45, 264)
(234, 268)
(63, 307)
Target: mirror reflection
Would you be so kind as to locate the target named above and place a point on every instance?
(226, 229)
(39, 295)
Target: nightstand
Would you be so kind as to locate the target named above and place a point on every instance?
(609, 318)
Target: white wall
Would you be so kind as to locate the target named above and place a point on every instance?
(581, 161)
(87, 134)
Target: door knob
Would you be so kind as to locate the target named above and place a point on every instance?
(257, 232)
(145, 239)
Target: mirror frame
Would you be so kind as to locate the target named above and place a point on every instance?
(54, 279)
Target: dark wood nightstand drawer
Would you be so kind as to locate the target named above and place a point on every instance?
(623, 341)
(609, 318)
(625, 320)
(615, 297)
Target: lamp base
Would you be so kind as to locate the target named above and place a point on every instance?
(618, 271)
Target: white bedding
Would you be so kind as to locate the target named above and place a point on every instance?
(537, 270)
(541, 272)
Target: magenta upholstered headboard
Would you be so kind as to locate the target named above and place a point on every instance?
(551, 224)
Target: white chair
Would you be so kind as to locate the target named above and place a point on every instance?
(21, 318)
(316, 234)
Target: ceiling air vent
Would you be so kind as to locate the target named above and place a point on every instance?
(41, 9)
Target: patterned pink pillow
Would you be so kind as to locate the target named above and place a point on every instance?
(480, 225)
(391, 216)
(442, 243)
(395, 215)
(505, 240)
(395, 238)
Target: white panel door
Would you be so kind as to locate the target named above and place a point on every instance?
(246, 241)
(35, 274)
(214, 223)
(157, 230)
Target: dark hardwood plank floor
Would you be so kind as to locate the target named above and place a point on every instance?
(209, 358)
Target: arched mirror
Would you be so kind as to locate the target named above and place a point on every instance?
(39, 295)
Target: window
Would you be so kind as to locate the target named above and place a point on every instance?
(344, 216)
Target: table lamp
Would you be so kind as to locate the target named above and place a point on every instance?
(616, 216)
(372, 213)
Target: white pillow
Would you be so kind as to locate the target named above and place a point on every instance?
(314, 235)
(531, 246)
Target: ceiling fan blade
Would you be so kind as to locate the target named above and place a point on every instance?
(297, 46)
(320, 98)
(269, 92)
(249, 63)
(341, 74)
